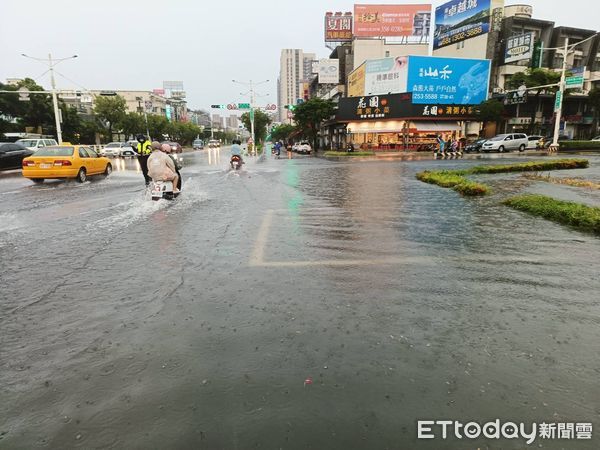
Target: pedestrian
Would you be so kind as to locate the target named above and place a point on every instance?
(143, 149)
(441, 144)
(289, 150)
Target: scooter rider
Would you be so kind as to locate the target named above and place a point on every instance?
(161, 167)
(236, 149)
(143, 149)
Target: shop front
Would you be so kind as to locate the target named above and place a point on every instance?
(393, 123)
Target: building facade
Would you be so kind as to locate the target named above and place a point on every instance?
(295, 68)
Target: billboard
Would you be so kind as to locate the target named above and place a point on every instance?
(398, 106)
(356, 82)
(391, 20)
(446, 81)
(338, 27)
(458, 20)
(329, 71)
(519, 48)
(386, 75)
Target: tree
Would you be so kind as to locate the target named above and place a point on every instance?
(594, 102)
(132, 124)
(261, 120)
(310, 114)
(110, 111)
(71, 124)
(282, 132)
(490, 110)
(159, 126)
(532, 78)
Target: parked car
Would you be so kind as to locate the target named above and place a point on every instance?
(475, 147)
(65, 161)
(213, 143)
(304, 148)
(506, 143)
(198, 144)
(12, 154)
(597, 138)
(113, 149)
(34, 144)
(545, 141)
(533, 141)
(175, 147)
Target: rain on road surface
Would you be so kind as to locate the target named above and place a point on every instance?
(200, 323)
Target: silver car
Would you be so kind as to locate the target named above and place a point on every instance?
(506, 143)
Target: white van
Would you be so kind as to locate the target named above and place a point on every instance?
(506, 143)
(34, 144)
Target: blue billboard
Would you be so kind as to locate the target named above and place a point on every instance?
(448, 81)
(458, 20)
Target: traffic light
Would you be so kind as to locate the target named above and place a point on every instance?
(244, 105)
(290, 107)
(218, 106)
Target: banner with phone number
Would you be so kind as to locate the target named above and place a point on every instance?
(458, 20)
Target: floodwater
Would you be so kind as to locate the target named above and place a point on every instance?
(299, 304)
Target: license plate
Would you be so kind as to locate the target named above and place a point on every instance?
(45, 165)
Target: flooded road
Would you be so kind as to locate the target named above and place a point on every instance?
(300, 304)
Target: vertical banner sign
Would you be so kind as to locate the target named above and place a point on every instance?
(536, 59)
(338, 27)
(392, 20)
(519, 48)
(448, 80)
(558, 101)
(356, 82)
(459, 20)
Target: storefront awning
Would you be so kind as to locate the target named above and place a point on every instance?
(425, 125)
(387, 126)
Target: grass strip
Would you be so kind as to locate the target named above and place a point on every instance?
(332, 153)
(577, 215)
(576, 182)
(456, 180)
(450, 179)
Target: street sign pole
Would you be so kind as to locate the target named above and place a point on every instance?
(559, 98)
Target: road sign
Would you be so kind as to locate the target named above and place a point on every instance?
(243, 105)
(148, 105)
(558, 101)
(516, 97)
(271, 107)
(23, 94)
(299, 101)
(575, 81)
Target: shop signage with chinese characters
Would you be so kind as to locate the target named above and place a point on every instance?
(338, 27)
(519, 48)
(458, 20)
(398, 106)
(448, 80)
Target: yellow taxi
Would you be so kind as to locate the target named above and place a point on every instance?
(65, 161)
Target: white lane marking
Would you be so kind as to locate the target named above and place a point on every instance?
(257, 257)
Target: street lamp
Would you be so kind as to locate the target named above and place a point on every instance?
(51, 63)
(251, 84)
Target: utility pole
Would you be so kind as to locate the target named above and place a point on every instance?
(51, 63)
(559, 100)
(251, 84)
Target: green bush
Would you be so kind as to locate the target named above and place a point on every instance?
(579, 145)
(568, 213)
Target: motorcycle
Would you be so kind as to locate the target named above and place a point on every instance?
(162, 189)
(236, 162)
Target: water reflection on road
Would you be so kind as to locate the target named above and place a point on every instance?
(128, 323)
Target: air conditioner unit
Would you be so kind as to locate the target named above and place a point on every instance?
(497, 90)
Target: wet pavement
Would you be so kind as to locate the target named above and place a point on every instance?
(299, 304)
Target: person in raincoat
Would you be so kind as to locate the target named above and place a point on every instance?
(161, 167)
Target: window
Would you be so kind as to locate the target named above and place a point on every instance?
(83, 153)
(387, 53)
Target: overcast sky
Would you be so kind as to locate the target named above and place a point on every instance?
(135, 45)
